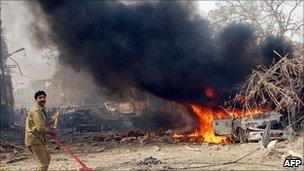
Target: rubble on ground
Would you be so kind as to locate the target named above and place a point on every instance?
(12, 148)
(150, 161)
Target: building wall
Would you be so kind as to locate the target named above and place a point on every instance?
(6, 89)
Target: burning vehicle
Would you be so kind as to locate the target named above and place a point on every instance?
(219, 125)
(251, 128)
(215, 124)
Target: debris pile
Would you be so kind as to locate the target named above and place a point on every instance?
(12, 152)
(280, 87)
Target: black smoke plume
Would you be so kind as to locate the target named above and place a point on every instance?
(159, 47)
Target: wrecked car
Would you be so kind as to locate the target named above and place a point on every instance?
(251, 127)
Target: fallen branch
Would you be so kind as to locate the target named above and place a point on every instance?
(16, 159)
(8, 145)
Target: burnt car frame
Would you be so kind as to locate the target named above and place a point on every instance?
(251, 127)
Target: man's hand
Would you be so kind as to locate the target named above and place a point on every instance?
(54, 119)
(52, 133)
(55, 116)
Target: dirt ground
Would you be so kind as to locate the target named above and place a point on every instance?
(128, 153)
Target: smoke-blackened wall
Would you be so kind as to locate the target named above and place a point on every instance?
(160, 47)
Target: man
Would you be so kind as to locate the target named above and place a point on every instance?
(36, 129)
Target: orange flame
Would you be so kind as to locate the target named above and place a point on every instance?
(206, 116)
(210, 93)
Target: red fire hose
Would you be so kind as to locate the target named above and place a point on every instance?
(70, 152)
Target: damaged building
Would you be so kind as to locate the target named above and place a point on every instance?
(6, 88)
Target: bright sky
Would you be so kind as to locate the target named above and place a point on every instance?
(206, 6)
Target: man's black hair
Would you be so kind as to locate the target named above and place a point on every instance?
(38, 93)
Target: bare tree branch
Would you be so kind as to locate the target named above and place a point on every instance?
(280, 85)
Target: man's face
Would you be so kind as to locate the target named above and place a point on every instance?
(41, 100)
